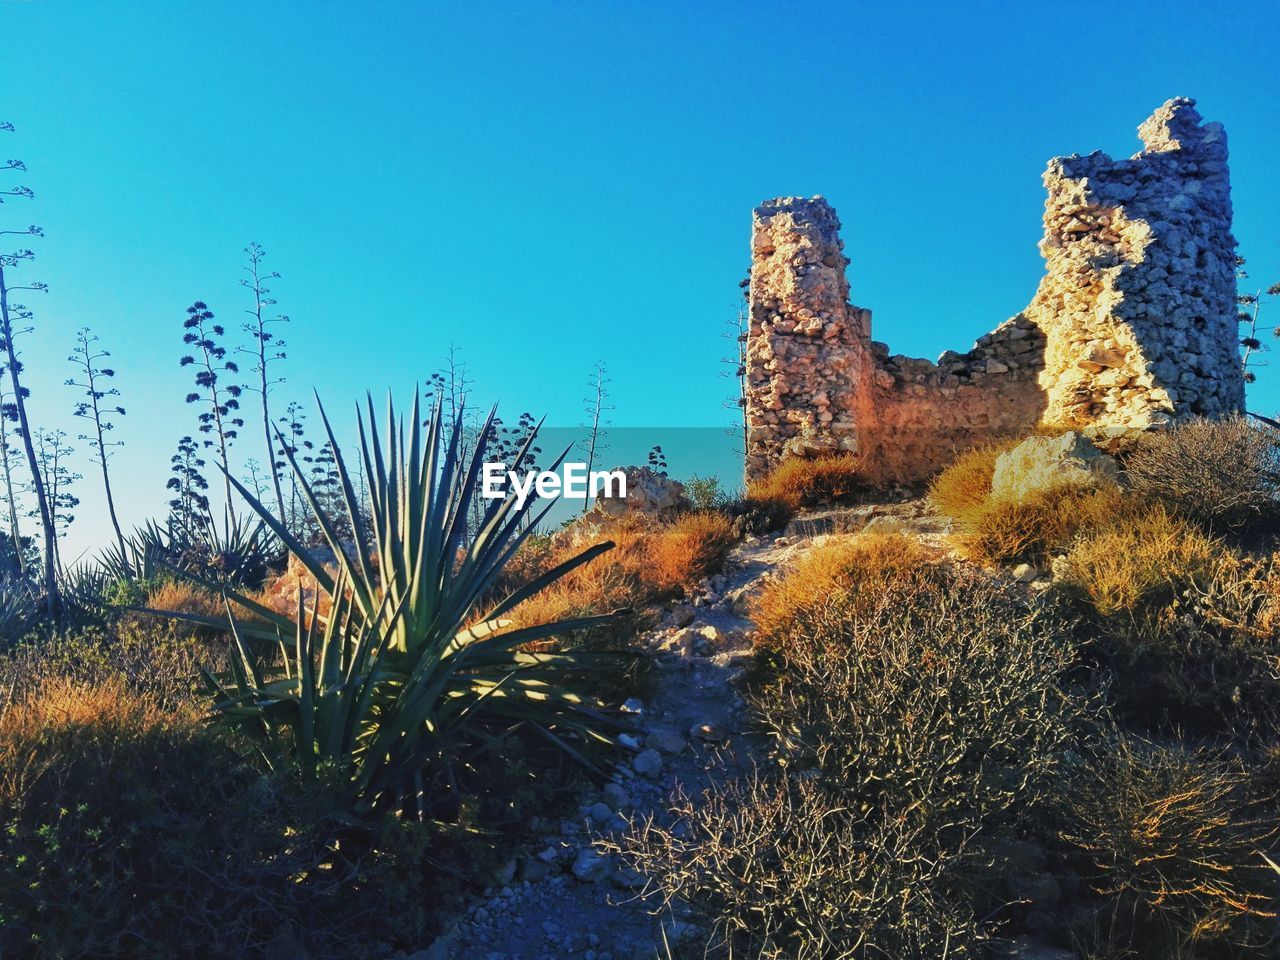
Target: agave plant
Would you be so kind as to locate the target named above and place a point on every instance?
(400, 681)
(239, 552)
(20, 603)
(84, 588)
(139, 557)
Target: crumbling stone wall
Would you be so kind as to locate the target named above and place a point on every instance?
(1133, 325)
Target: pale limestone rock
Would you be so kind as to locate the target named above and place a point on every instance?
(651, 495)
(1047, 463)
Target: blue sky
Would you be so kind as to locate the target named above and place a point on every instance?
(546, 186)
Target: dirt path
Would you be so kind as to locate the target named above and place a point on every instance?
(564, 899)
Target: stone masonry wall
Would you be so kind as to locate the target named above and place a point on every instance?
(1133, 325)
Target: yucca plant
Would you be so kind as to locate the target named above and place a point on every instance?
(400, 682)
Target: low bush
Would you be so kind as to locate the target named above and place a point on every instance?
(1145, 561)
(134, 832)
(1037, 527)
(807, 482)
(1224, 473)
(649, 562)
(705, 493)
(1242, 595)
(786, 871)
(1186, 626)
(907, 724)
(852, 572)
(756, 515)
(1170, 841)
(688, 549)
(184, 596)
(964, 486)
(152, 661)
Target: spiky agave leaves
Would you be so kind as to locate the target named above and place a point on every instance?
(401, 685)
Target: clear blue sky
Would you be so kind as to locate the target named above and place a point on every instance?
(550, 185)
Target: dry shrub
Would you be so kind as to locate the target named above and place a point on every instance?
(1143, 560)
(964, 486)
(129, 831)
(856, 570)
(1189, 629)
(932, 694)
(1224, 473)
(1171, 842)
(611, 582)
(801, 482)
(906, 724)
(1241, 595)
(649, 562)
(786, 872)
(179, 596)
(1035, 528)
(183, 596)
(688, 549)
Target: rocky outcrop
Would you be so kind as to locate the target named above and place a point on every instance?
(650, 495)
(1133, 325)
(1039, 464)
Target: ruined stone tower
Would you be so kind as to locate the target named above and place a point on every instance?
(1133, 325)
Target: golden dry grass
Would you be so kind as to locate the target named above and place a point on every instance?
(965, 485)
(649, 562)
(46, 733)
(852, 569)
(799, 482)
(1033, 529)
(1146, 559)
(183, 596)
(685, 551)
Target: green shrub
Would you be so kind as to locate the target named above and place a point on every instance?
(705, 493)
(906, 726)
(757, 515)
(1171, 842)
(149, 659)
(1223, 473)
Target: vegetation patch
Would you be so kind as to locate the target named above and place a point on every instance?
(852, 573)
(801, 482)
(965, 485)
(1170, 843)
(1222, 473)
(906, 725)
(1035, 528)
(128, 831)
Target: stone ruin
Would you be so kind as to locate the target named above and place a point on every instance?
(1133, 326)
